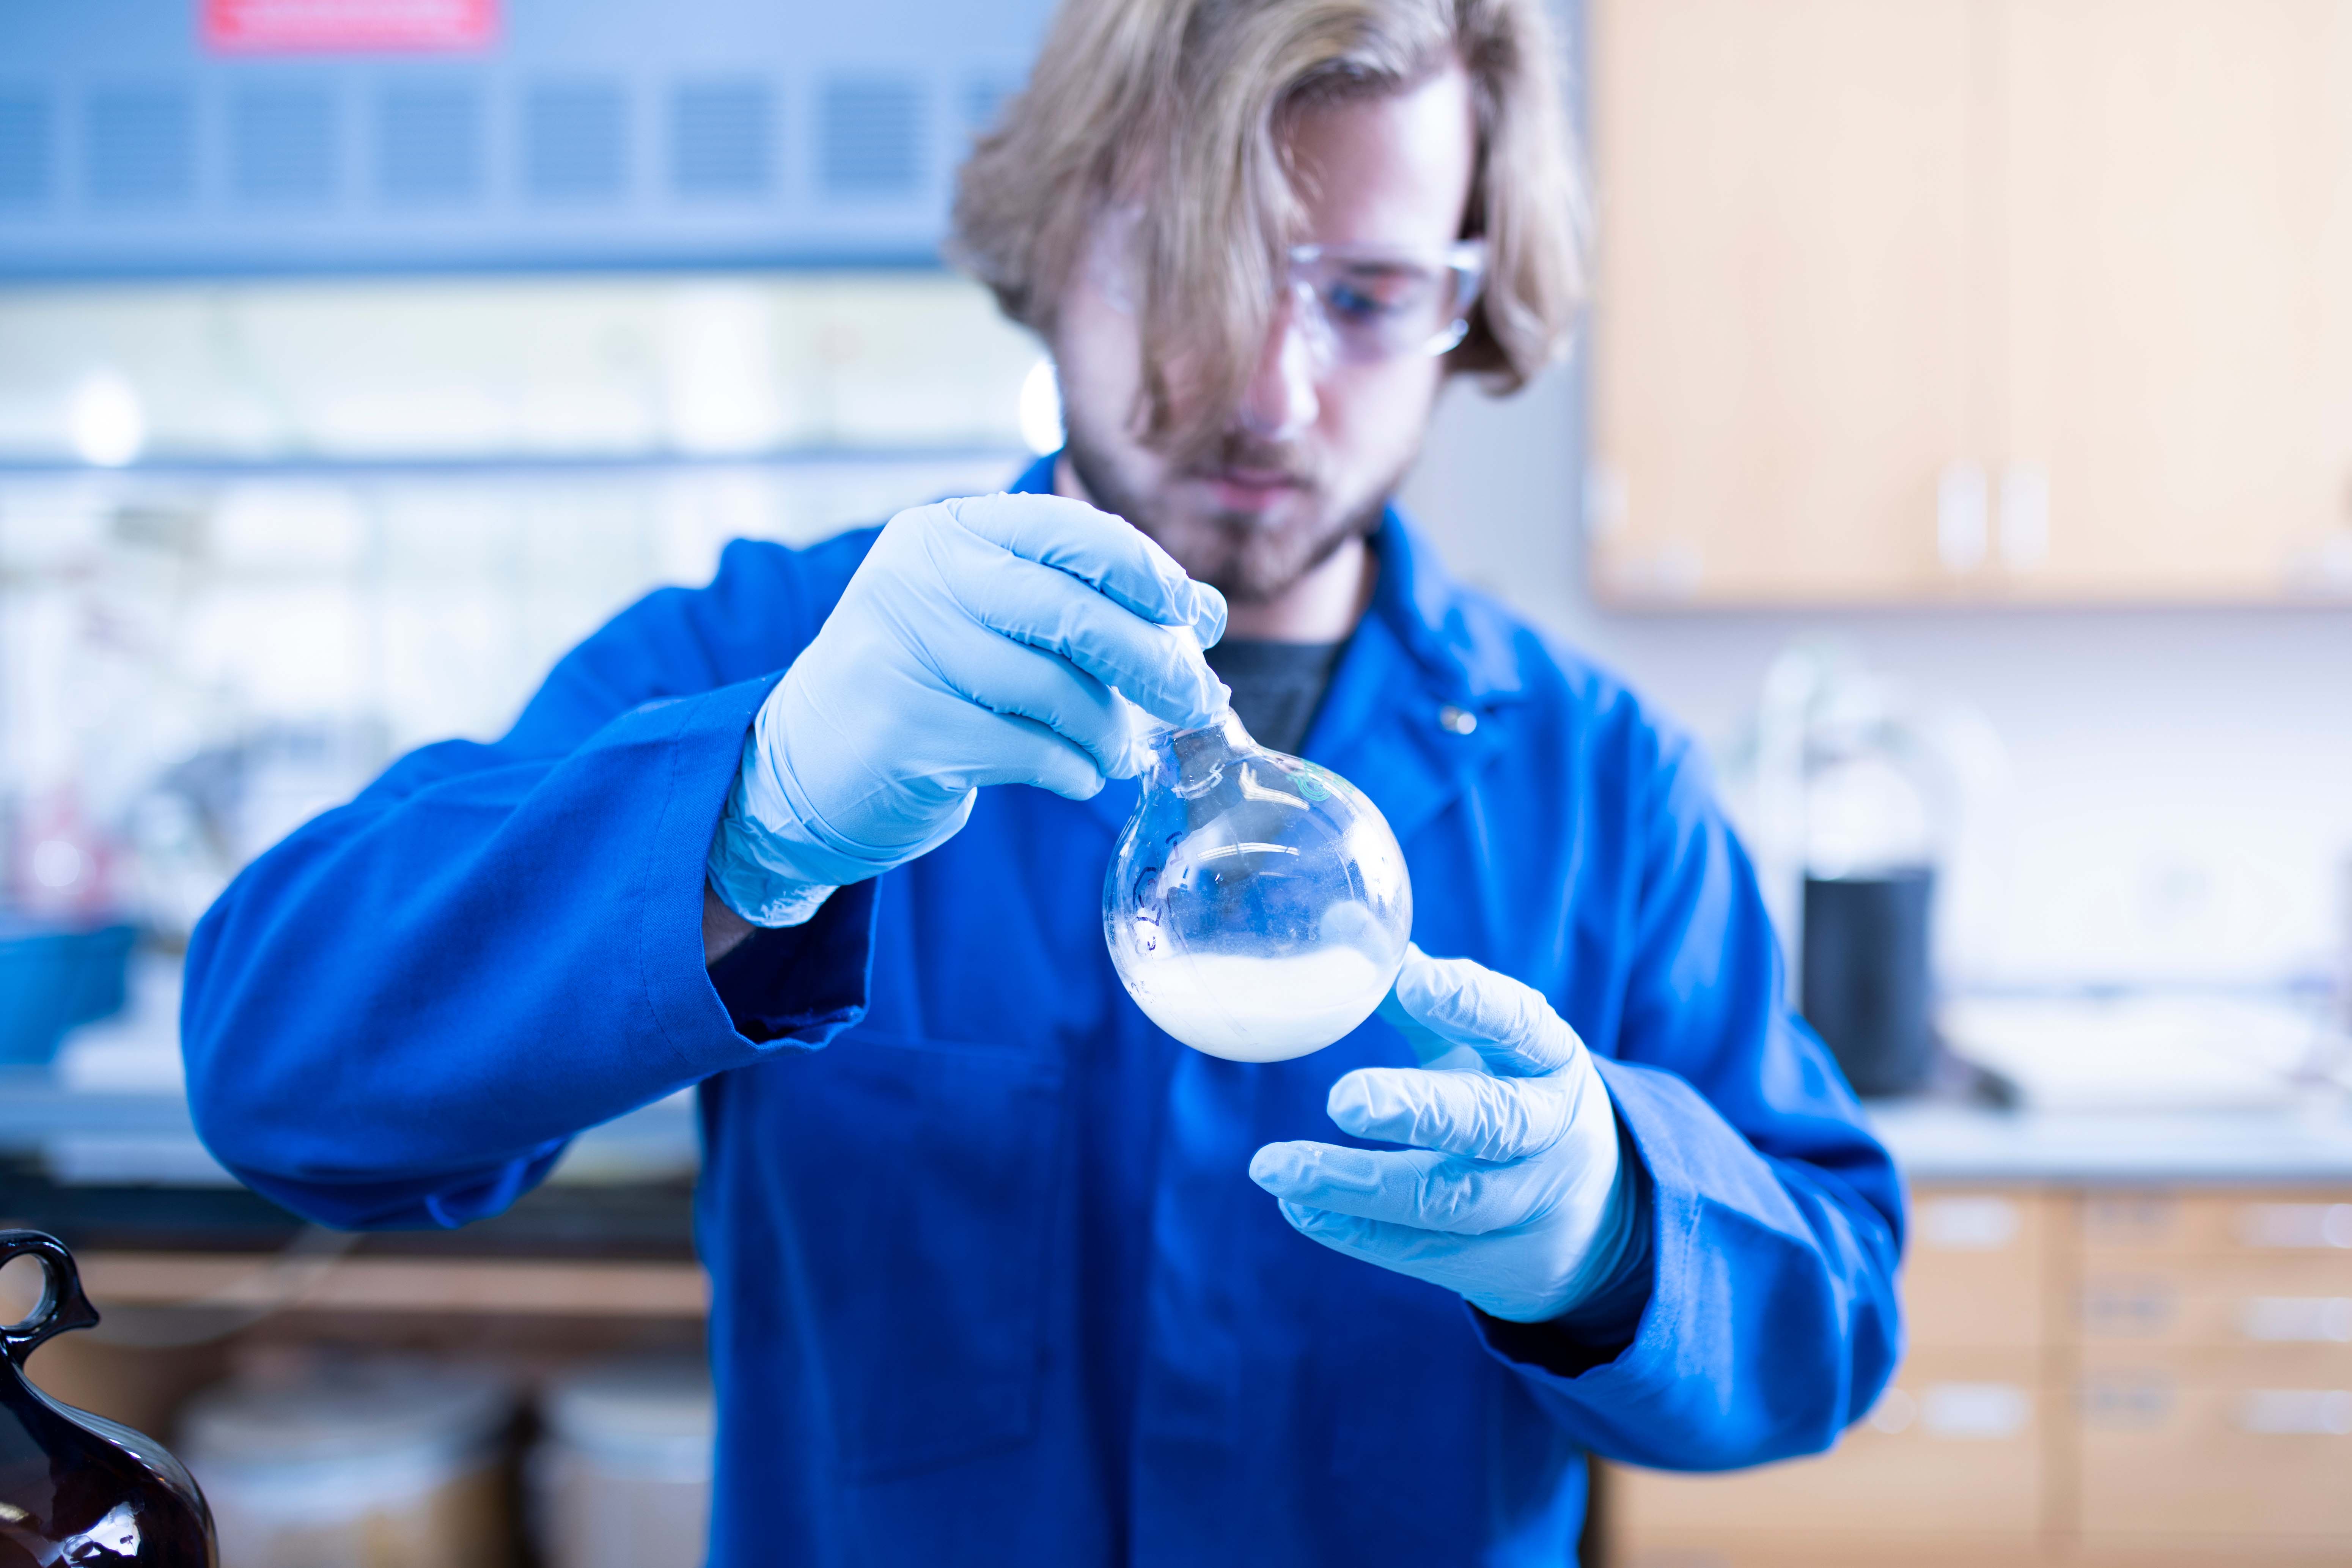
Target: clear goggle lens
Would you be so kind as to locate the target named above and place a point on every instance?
(1360, 304)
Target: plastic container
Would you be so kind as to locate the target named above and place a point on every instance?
(623, 1478)
(52, 980)
(372, 1465)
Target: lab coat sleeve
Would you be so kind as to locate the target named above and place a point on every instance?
(1776, 1217)
(400, 1014)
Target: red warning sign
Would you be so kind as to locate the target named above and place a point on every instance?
(348, 27)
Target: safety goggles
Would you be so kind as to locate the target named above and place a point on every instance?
(1361, 304)
(1354, 304)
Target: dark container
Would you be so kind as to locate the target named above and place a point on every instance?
(76, 1489)
(1866, 989)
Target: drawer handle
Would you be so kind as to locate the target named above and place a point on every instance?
(2303, 1226)
(2301, 1320)
(2127, 1307)
(1965, 1410)
(1968, 1224)
(2296, 1412)
(1978, 1410)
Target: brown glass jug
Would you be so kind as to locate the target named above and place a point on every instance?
(76, 1489)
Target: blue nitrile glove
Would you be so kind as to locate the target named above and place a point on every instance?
(979, 642)
(1515, 1198)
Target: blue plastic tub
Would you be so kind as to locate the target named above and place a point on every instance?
(51, 980)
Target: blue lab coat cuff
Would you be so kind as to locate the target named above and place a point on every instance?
(798, 986)
(1663, 1398)
(801, 985)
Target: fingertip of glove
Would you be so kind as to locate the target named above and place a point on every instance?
(1274, 1165)
(1349, 1103)
(1208, 614)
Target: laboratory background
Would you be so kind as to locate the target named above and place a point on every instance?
(1958, 442)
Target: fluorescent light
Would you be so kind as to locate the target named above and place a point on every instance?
(108, 424)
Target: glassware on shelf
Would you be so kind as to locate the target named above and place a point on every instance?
(1258, 906)
(77, 1487)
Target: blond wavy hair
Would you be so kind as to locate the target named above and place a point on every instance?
(1175, 108)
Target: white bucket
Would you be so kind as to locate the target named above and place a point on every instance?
(623, 1478)
(378, 1465)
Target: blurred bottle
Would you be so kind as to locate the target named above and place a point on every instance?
(77, 1487)
(1858, 806)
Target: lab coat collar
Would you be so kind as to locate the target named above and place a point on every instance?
(1425, 656)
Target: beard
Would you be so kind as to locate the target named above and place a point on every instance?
(1251, 556)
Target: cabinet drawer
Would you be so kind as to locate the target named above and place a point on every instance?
(1976, 1273)
(2171, 1448)
(2123, 1225)
(1955, 1445)
(1878, 1550)
(2219, 1302)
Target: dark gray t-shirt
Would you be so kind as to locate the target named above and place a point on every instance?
(1277, 686)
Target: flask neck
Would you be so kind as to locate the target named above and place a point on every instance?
(1191, 761)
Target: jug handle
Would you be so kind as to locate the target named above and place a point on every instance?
(62, 1305)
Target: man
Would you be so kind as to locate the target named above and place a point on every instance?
(1001, 1274)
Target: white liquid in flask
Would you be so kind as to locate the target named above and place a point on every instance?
(1257, 907)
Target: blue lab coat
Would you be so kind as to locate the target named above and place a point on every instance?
(991, 1282)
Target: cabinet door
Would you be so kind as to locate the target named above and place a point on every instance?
(1782, 295)
(2177, 298)
(1952, 1456)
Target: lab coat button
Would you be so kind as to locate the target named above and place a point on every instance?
(1460, 721)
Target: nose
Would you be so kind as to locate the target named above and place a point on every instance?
(1279, 402)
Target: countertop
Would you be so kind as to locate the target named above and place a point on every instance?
(1940, 1142)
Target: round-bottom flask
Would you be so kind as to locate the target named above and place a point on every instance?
(1258, 906)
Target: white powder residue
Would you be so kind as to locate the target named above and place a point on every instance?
(1249, 1009)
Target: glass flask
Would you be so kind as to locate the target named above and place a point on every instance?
(1258, 906)
(76, 1487)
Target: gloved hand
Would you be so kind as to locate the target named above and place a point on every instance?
(980, 642)
(1515, 1197)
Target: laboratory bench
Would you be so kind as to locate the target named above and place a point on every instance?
(2130, 1333)
(195, 1275)
(120, 1177)
(2130, 1343)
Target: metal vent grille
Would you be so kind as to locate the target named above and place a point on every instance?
(722, 138)
(575, 142)
(141, 145)
(27, 149)
(429, 143)
(282, 145)
(870, 137)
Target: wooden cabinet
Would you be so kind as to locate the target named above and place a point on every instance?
(1976, 299)
(2175, 321)
(2179, 1450)
(1781, 328)
(1954, 1462)
(2096, 1378)
(1952, 1456)
(1980, 1274)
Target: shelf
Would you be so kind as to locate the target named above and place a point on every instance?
(213, 1281)
(518, 464)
